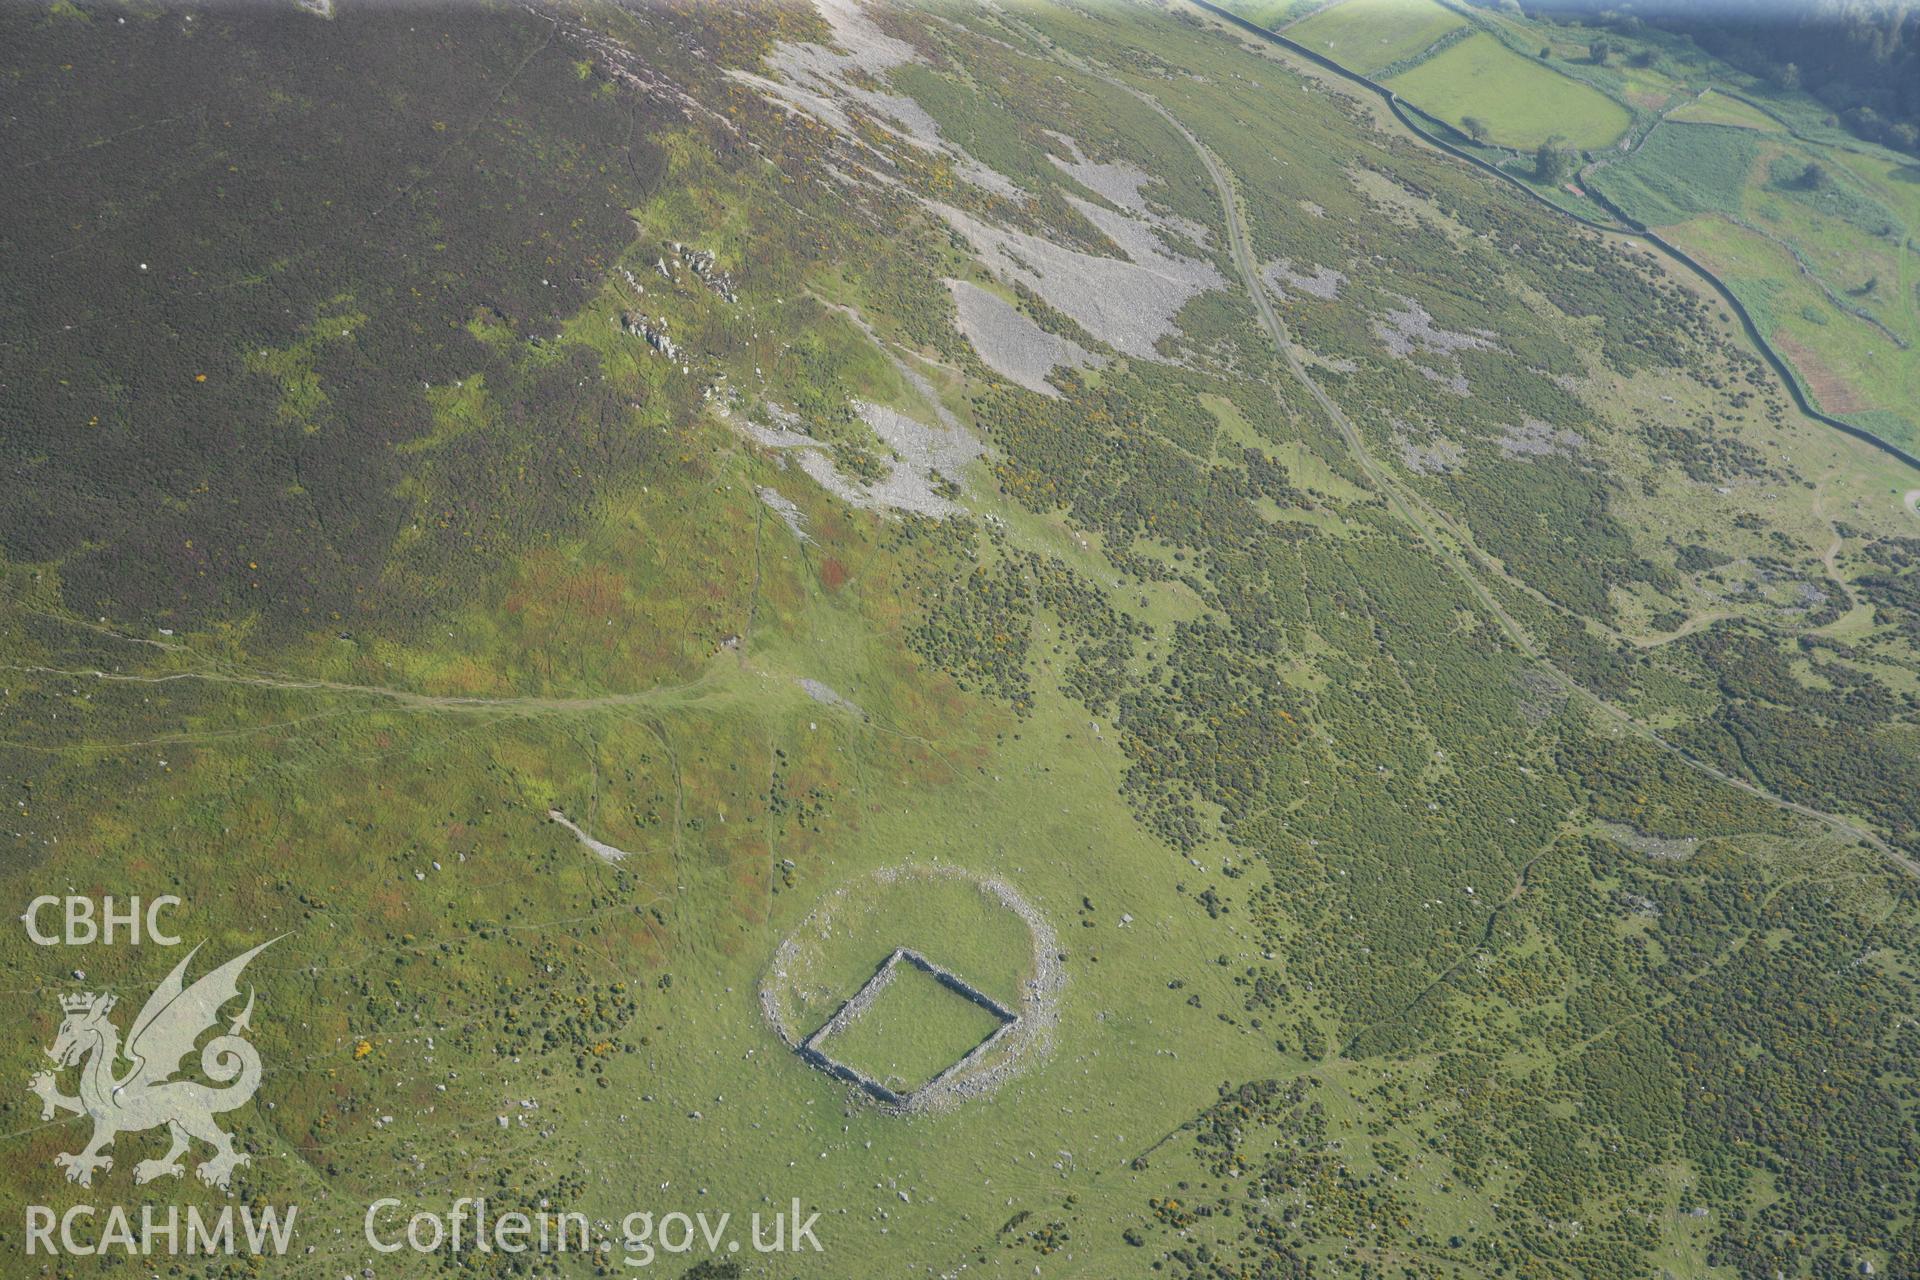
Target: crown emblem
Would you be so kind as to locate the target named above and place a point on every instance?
(85, 1002)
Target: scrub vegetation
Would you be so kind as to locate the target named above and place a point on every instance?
(1457, 720)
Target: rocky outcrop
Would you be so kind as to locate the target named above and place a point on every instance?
(654, 331)
(701, 263)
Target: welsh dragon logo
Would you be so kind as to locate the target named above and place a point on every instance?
(144, 1095)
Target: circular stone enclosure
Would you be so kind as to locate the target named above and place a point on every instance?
(922, 985)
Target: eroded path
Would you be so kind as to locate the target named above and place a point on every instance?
(660, 695)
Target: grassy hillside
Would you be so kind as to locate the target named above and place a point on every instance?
(1422, 730)
(1813, 239)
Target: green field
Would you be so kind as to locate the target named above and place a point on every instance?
(1274, 14)
(1521, 102)
(1369, 34)
(1721, 108)
(1822, 268)
(1681, 171)
(1848, 366)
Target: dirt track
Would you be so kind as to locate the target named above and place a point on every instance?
(1421, 517)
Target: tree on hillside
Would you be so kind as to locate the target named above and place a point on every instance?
(1476, 127)
(1551, 161)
